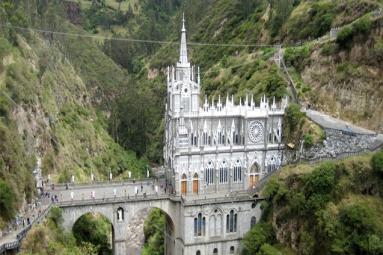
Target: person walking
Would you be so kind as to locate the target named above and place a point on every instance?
(114, 193)
(71, 195)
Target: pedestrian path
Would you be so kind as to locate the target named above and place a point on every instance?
(12, 240)
(326, 121)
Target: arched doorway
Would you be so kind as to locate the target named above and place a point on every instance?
(195, 184)
(184, 184)
(254, 175)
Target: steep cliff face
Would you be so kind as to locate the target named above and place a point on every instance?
(347, 83)
(55, 100)
(54, 113)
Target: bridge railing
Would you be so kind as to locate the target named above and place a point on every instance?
(186, 200)
(130, 182)
(23, 232)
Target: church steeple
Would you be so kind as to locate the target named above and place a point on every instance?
(183, 47)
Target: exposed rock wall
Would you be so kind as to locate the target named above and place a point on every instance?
(348, 84)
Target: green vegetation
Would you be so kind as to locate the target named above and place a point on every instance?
(297, 57)
(293, 123)
(49, 238)
(255, 239)
(96, 105)
(154, 233)
(377, 163)
(96, 230)
(360, 28)
(336, 208)
(7, 201)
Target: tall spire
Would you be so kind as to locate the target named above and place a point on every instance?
(183, 47)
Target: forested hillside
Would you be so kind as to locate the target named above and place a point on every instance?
(84, 102)
(331, 208)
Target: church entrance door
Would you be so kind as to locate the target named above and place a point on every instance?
(254, 175)
(183, 184)
(253, 181)
(195, 184)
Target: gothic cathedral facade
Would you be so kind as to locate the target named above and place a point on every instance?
(215, 150)
(218, 146)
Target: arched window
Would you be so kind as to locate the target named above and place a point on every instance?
(271, 165)
(223, 173)
(209, 173)
(120, 214)
(195, 183)
(199, 225)
(218, 226)
(253, 221)
(198, 252)
(237, 171)
(232, 249)
(215, 251)
(231, 222)
(213, 225)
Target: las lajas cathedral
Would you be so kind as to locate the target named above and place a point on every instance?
(217, 147)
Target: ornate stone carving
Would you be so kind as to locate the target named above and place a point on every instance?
(255, 131)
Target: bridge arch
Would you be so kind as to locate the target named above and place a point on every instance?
(136, 218)
(79, 227)
(72, 214)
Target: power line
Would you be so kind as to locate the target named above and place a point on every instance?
(135, 40)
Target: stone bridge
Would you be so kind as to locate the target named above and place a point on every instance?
(121, 211)
(121, 204)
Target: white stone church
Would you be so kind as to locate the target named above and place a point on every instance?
(217, 146)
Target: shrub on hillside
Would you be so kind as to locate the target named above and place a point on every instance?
(377, 163)
(360, 28)
(358, 232)
(308, 140)
(259, 235)
(296, 56)
(267, 249)
(293, 122)
(344, 37)
(7, 201)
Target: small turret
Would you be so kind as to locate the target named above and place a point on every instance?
(206, 105)
(219, 105)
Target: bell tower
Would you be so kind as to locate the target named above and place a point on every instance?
(183, 81)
